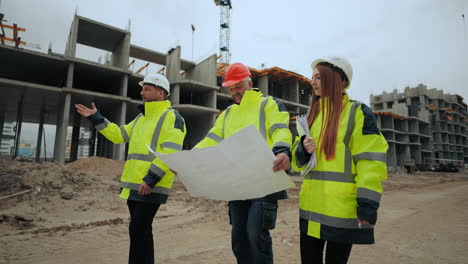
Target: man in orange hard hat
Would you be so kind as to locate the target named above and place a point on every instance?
(252, 219)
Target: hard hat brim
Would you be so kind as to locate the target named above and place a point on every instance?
(229, 83)
(141, 83)
(317, 61)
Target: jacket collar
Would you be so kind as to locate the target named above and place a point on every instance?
(251, 96)
(151, 108)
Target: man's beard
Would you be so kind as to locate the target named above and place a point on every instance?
(237, 95)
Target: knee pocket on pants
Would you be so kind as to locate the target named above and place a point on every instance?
(265, 242)
(270, 211)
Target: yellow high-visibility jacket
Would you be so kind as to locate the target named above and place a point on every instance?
(337, 192)
(158, 126)
(267, 114)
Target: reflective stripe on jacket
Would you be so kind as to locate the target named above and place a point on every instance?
(337, 192)
(159, 127)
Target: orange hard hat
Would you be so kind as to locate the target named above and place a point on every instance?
(235, 73)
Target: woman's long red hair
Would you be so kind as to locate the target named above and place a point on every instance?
(332, 93)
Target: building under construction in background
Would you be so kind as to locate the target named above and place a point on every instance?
(423, 127)
(42, 88)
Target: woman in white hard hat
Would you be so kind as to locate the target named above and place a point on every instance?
(339, 198)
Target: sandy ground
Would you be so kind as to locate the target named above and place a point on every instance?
(73, 215)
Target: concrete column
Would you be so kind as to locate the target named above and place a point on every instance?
(19, 124)
(62, 127)
(263, 84)
(173, 65)
(406, 154)
(40, 132)
(391, 156)
(70, 70)
(75, 140)
(124, 85)
(402, 154)
(121, 54)
(118, 150)
(173, 73)
(70, 48)
(175, 95)
(2, 121)
(63, 114)
(417, 154)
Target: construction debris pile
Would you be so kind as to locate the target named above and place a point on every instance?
(47, 196)
(49, 179)
(35, 192)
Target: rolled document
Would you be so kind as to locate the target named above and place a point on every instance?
(302, 127)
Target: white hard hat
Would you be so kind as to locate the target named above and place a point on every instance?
(339, 62)
(157, 80)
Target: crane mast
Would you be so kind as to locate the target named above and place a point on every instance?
(224, 30)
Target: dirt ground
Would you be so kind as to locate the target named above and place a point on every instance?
(73, 215)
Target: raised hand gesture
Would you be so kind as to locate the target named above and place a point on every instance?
(84, 111)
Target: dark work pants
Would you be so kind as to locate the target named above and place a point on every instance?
(141, 231)
(312, 251)
(251, 221)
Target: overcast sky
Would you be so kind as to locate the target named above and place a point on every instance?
(391, 44)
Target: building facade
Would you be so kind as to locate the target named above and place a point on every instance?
(42, 88)
(423, 127)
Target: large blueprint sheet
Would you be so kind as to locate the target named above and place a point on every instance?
(238, 168)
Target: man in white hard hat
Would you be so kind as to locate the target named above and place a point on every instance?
(146, 180)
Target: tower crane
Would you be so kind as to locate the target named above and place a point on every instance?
(224, 30)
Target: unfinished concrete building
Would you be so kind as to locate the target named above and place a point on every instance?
(42, 88)
(423, 126)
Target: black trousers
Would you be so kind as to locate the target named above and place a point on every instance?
(312, 251)
(141, 232)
